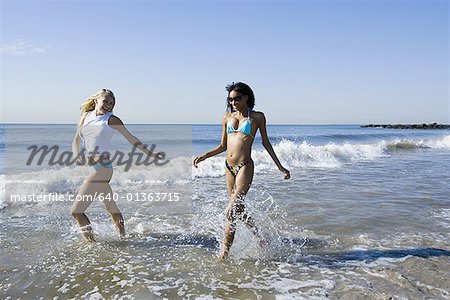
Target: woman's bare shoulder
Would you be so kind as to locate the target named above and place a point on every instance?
(258, 115)
(227, 116)
(83, 117)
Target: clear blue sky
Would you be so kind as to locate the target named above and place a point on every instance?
(309, 62)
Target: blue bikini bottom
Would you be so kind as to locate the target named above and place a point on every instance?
(99, 164)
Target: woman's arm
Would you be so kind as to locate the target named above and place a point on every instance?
(268, 146)
(118, 125)
(219, 149)
(79, 160)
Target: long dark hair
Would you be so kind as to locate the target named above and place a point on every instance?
(244, 89)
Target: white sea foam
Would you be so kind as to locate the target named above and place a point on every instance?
(442, 143)
(180, 171)
(299, 155)
(332, 155)
(66, 181)
(2, 192)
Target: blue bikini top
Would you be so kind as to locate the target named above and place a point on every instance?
(244, 128)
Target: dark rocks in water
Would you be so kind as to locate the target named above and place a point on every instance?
(409, 126)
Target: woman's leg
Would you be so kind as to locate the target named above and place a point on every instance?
(230, 225)
(243, 184)
(235, 207)
(90, 187)
(113, 210)
(230, 182)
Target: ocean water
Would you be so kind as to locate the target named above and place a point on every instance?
(366, 215)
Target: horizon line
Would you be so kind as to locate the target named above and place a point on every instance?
(217, 124)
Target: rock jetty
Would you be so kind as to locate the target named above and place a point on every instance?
(409, 126)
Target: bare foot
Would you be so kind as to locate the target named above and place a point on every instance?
(117, 219)
(223, 255)
(87, 233)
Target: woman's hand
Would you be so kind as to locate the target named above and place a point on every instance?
(80, 161)
(159, 155)
(198, 159)
(286, 172)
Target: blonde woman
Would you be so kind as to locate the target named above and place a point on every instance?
(96, 128)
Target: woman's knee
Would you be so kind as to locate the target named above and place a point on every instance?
(73, 211)
(77, 210)
(117, 217)
(77, 215)
(234, 211)
(230, 214)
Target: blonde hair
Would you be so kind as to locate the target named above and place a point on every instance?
(89, 104)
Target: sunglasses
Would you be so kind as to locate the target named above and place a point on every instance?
(235, 99)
